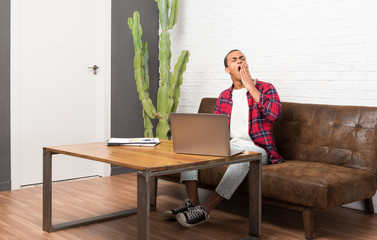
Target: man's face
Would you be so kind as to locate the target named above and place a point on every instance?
(235, 60)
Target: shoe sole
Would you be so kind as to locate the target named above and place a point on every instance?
(181, 219)
(169, 215)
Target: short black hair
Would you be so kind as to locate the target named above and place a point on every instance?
(225, 60)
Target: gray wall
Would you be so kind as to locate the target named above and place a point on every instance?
(5, 182)
(126, 109)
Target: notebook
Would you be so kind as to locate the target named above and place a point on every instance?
(200, 133)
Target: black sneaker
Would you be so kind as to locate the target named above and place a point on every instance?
(173, 213)
(192, 216)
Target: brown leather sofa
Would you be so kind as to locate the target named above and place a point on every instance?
(331, 159)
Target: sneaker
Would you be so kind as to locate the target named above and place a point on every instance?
(192, 216)
(173, 213)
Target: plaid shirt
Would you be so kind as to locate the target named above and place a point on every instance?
(262, 116)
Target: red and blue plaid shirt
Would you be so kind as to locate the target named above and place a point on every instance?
(261, 116)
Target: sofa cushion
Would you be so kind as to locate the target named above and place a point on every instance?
(315, 184)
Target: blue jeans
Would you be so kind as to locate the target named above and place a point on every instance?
(233, 176)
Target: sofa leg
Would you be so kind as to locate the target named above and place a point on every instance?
(308, 217)
(368, 203)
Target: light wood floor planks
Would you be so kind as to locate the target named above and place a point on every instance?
(21, 215)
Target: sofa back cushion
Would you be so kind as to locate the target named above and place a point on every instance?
(339, 135)
(207, 105)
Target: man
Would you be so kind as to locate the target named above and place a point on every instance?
(252, 106)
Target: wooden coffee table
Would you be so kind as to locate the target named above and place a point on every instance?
(150, 162)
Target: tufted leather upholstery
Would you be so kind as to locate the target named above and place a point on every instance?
(330, 152)
(340, 135)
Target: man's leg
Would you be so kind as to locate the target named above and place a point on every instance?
(232, 178)
(190, 179)
(192, 191)
(212, 202)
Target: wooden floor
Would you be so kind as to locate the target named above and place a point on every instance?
(21, 215)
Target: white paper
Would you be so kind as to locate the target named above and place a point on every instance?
(134, 141)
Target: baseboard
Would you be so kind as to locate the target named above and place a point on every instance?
(359, 205)
(5, 186)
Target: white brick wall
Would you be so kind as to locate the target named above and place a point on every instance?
(313, 51)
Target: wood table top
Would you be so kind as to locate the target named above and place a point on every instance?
(158, 158)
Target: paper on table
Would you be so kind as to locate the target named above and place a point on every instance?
(133, 141)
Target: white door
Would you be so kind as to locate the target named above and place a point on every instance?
(56, 98)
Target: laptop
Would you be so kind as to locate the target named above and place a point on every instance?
(201, 133)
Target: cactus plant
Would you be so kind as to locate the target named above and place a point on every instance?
(169, 87)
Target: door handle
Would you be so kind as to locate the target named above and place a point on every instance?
(95, 67)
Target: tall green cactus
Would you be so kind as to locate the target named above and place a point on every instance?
(169, 89)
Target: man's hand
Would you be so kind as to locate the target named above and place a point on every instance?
(248, 82)
(246, 78)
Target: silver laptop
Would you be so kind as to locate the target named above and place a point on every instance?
(204, 134)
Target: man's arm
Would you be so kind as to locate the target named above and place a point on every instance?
(267, 99)
(269, 104)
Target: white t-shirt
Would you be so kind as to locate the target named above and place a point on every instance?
(239, 123)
